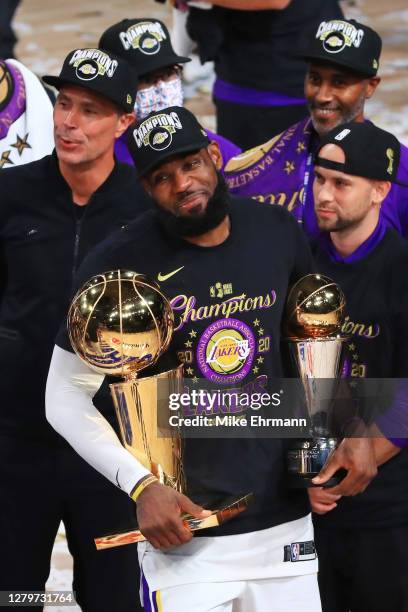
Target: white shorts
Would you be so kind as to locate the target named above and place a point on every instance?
(276, 552)
(294, 594)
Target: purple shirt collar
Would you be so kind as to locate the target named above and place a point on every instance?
(362, 251)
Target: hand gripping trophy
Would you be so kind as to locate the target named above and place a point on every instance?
(119, 323)
(314, 314)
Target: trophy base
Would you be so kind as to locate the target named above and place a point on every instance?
(305, 460)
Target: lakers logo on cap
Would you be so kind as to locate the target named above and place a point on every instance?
(336, 35)
(149, 44)
(334, 42)
(87, 70)
(160, 139)
(90, 63)
(157, 132)
(146, 37)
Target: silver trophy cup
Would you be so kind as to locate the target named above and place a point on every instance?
(314, 314)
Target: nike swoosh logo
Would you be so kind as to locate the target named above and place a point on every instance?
(163, 277)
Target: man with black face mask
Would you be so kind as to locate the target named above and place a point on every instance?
(209, 253)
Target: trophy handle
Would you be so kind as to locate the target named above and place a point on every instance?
(218, 517)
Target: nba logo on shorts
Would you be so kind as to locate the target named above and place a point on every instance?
(294, 551)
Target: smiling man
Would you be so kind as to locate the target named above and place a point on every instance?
(208, 253)
(343, 60)
(52, 212)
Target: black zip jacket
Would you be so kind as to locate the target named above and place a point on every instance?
(43, 239)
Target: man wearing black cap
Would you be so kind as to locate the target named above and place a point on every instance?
(52, 212)
(343, 60)
(361, 541)
(206, 253)
(259, 86)
(146, 45)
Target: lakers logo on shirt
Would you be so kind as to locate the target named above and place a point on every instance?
(226, 351)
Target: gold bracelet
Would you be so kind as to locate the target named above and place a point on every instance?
(141, 485)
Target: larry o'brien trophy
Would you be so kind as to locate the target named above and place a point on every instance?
(314, 315)
(119, 323)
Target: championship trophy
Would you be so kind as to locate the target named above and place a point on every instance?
(119, 323)
(314, 315)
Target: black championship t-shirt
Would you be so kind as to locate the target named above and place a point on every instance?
(376, 290)
(236, 290)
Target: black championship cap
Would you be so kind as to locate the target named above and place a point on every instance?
(347, 43)
(144, 43)
(164, 133)
(370, 152)
(101, 72)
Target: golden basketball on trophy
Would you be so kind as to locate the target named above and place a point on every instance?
(315, 307)
(120, 322)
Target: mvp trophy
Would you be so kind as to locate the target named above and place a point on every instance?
(314, 314)
(119, 323)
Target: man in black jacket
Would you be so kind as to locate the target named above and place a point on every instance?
(52, 212)
(361, 541)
